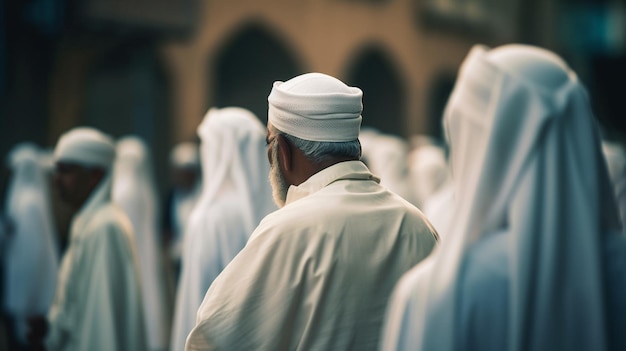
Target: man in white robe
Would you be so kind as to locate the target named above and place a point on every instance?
(235, 197)
(187, 187)
(317, 273)
(134, 190)
(31, 258)
(534, 260)
(98, 299)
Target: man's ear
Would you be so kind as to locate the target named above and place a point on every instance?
(285, 156)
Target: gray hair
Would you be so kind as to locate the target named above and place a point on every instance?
(319, 151)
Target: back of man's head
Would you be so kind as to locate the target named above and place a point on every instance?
(318, 114)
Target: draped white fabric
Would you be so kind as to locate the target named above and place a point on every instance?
(526, 160)
(236, 195)
(428, 172)
(31, 257)
(615, 155)
(386, 156)
(134, 190)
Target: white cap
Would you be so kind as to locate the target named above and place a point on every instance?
(316, 107)
(185, 154)
(87, 147)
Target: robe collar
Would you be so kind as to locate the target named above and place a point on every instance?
(353, 170)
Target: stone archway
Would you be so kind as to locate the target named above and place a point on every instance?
(384, 95)
(247, 66)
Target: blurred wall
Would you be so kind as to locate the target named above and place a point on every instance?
(154, 67)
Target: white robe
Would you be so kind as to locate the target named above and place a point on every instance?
(31, 257)
(98, 304)
(529, 263)
(317, 273)
(236, 196)
(135, 192)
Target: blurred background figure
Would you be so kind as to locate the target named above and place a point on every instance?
(31, 256)
(432, 185)
(615, 155)
(186, 176)
(236, 195)
(428, 171)
(386, 157)
(98, 303)
(134, 190)
(534, 260)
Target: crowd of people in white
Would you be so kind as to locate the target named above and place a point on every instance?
(312, 233)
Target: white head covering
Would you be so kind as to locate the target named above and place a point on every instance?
(526, 159)
(233, 151)
(134, 190)
(91, 148)
(185, 154)
(316, 107)
(87, 147)
(32, 254)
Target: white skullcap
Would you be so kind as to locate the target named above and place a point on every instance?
(316, 107)
(185, 154)
(86, 147)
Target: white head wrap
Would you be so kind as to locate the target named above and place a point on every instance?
(233, 151)
(316, 107)
(526, 160)
(185, 154)
(87, 147)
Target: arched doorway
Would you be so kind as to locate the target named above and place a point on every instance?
(384, 97)
(247, 66)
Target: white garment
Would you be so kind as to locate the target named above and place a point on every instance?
(439, 209)
(134, 190)
(615, 155)
(428, 172)
(98, 303)
(526, 161)
(31, 258)
(386, 156)
(317, 273)
(236, 196)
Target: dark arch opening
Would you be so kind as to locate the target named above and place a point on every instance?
(384, 96)
(247, 66)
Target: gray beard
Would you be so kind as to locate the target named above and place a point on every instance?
(277, 180)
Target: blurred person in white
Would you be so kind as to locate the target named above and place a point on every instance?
(236, 196)
(386, 156)
(134, 190)
(317, 273)
(186, 190)
(432, 185)
(31, 257)
(98, 303)
(615, 155)
(534, 260)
